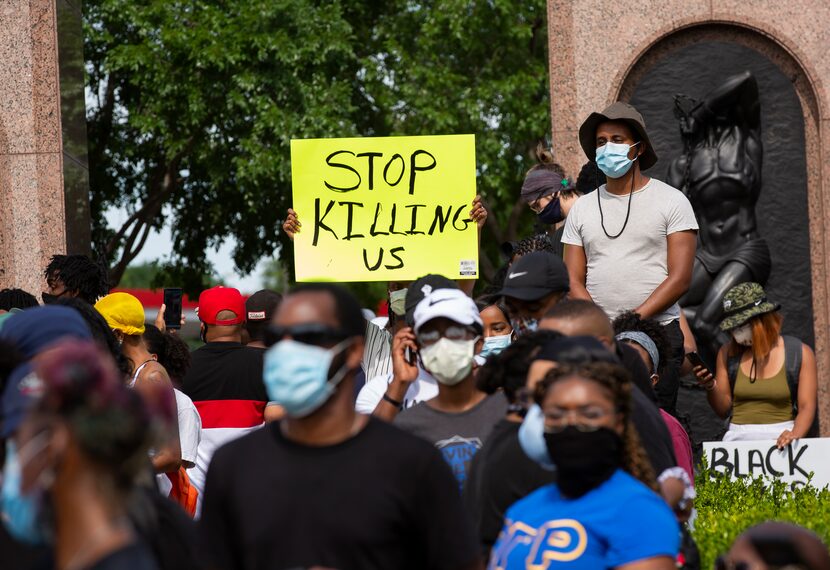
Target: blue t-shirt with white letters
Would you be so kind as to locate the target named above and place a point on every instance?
(619, 522)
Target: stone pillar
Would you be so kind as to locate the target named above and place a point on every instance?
(34, 146)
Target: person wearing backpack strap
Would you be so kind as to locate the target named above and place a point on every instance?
(765, 381)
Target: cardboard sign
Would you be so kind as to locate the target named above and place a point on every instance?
(384, 209)
(793, 464)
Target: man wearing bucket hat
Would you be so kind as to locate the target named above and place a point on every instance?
(631, 244)
(765, 380)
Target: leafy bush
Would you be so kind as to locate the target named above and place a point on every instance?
(727, 507)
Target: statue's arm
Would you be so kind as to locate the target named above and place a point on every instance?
(736, 97)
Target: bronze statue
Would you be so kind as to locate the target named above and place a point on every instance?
(720, 173)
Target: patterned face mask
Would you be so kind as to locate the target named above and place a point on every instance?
(524, 325)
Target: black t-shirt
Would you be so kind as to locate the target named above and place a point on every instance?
(381, 500)
(500, 475)
(167, 531)
(225, 371)
(131, 557)
(21, 556)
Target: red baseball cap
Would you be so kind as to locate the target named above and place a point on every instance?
(217, 299)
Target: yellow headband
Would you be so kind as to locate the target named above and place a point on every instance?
(123, 313)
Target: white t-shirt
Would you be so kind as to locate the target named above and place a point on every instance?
(623, 272)
(422, 389)
(190, 427)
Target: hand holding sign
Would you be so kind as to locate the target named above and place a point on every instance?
(479, 213)
(785, 439)
(390, 208)
(292, 224)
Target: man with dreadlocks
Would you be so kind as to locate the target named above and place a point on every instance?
(74, 276)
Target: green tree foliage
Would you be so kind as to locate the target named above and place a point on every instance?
(140, 276)
(195, 103)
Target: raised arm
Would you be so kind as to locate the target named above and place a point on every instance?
(478, 214)
(403, 375)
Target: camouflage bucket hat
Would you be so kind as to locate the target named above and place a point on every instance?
(743, 302)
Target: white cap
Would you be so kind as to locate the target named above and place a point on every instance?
(450, 304)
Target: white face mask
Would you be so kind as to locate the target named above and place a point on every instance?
(743, 334)
(449, 361)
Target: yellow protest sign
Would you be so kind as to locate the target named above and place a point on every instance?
(384, 209)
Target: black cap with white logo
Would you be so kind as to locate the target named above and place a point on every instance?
(535, 275)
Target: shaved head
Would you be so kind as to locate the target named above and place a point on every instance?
(579, 318)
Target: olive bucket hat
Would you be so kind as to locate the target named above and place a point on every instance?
(625, 113)
(743, 302)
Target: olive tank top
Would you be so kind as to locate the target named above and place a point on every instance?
(765, 401)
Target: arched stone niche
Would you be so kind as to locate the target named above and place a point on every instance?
(593, 63)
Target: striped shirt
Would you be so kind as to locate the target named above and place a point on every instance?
(225, 384)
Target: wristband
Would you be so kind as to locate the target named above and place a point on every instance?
(392, 401)
(714, 385)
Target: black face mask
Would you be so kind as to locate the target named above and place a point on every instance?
(552, 213)
(49, 299)
(584, 459)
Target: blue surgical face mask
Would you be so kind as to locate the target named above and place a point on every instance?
(532, 437)
(612, 159)
(495, 344)
(552, 213)
(296, 375)
(21, 512)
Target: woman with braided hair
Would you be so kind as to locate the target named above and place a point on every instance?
(603, 511)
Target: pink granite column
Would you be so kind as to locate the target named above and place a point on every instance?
(31, 177)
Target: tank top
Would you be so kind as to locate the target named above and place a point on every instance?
(765, 401)
(138, 371)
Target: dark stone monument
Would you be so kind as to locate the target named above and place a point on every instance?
(781, 209)
(747, 179)
(720, 172)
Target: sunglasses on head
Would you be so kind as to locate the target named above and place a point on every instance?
(314, 334)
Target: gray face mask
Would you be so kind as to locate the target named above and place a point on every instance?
(397, 302)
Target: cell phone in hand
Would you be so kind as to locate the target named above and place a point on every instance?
(411, 356)
(173, 307)
(696, 360)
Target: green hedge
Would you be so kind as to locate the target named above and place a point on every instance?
(726, 507)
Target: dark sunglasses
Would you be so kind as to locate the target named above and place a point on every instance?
(314, 334)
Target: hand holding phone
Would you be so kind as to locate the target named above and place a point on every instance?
(404, 356)
(704, 376)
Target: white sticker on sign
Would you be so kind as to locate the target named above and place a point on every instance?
(467, 267)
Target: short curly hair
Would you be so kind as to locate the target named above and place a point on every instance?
(539, 242)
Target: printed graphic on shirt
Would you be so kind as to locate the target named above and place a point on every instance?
(458, 452)
(561, 540)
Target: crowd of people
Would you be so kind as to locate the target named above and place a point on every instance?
(532, 427)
